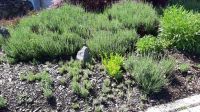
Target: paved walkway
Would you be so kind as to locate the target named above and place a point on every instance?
(192, 109)
(190, 104)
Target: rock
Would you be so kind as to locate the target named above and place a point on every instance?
(83, 54)
(4, 32)
(189, 72)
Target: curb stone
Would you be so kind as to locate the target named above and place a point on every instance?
(193, 109)
(182, 105)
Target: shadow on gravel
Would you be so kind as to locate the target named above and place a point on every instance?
(52, 102)
(163, 96)
(4, 110)
(175, 82)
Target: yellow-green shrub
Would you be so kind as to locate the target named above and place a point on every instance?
(113, 64)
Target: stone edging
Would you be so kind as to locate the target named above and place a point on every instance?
(178, 105)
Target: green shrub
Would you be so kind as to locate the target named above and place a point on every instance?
(44, 36)
(139, 16)
(151, 75)
(3, 102)
(24, 45)
(150, 44)
(108, 42)
(184, 67)
(113, 64)
(182, 28)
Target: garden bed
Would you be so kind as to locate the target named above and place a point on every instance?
(132, 59)
(123, 95)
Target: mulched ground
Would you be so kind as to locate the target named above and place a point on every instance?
(23, 96)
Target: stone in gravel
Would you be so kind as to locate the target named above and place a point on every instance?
(4, 32)
(189, 72)
(83, 54)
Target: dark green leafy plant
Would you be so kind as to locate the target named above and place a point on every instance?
(181, 27)
(151, 75)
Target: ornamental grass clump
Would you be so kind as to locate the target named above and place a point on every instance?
(151, 75)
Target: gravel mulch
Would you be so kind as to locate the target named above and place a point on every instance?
(23, 96)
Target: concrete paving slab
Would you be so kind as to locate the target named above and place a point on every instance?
(182, 104)
(192, 109)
